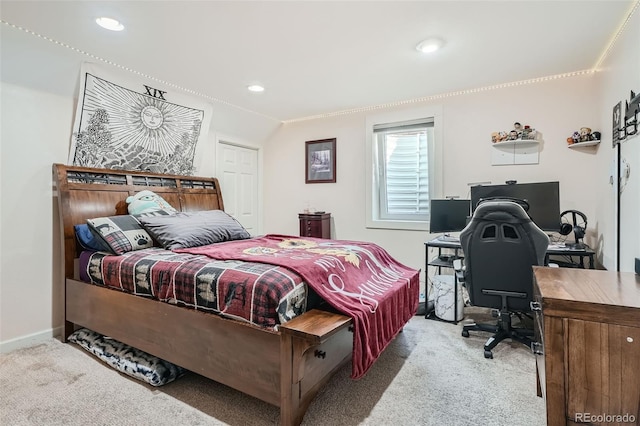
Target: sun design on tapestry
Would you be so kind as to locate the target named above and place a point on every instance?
(124, 129)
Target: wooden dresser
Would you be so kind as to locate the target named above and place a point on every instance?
(315, 225)
(587, 347)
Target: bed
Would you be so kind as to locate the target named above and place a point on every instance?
(285, 366)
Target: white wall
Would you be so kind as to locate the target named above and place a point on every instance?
(35, 134)
(555, 108)
(620, 73)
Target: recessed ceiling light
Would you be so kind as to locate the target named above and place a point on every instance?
(110, 24)
(429, 45)
(255, 88)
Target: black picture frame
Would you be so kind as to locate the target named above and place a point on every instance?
(320, 161)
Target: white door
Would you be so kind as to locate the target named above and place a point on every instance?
(237, 171)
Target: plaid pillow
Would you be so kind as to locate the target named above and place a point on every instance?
(121, 233)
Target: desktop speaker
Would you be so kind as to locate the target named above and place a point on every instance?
(576, 221)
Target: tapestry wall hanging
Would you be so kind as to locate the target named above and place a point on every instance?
(125, 124)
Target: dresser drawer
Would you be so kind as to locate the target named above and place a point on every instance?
(315, 225)
(310, 228)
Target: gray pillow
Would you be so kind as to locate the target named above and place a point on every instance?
(193, 229)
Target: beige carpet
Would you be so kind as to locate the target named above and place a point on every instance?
(429, 375)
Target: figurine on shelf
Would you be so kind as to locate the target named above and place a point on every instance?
(528, 133)
(498, 137)
(576, 137)
(517, 127)
(585, 134)
(519, 132)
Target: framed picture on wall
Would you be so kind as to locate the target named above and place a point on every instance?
(320, 157)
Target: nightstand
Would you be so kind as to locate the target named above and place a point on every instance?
(315, 225)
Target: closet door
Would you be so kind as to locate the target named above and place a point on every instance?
(237, 171)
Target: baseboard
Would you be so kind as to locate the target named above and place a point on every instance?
(29, 340)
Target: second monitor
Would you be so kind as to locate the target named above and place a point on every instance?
(543, 199)
(448, 215)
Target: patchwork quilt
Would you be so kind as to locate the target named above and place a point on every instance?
(262, 294)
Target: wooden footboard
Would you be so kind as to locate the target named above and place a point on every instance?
(313, 347)
(285, 368)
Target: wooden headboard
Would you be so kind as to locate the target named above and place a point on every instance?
(85, 193)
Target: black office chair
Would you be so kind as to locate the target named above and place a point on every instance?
(500, 244)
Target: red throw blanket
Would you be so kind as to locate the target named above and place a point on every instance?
(359, 279)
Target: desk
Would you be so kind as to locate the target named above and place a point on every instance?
(453, 243)
(441, 243)
(567, 252)
(552, 250)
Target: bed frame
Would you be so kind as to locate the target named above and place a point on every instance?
(285, 368)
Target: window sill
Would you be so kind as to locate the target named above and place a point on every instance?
(406, 225)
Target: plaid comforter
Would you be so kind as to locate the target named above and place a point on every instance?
(264, 295)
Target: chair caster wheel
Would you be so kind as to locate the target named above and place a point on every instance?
(488, 354)
(465, 333)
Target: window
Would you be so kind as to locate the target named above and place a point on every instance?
(402, 150)
(402, 165)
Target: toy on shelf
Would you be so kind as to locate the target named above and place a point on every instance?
(519, 132)
(584, 135)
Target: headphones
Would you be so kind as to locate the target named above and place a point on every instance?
(578, 226)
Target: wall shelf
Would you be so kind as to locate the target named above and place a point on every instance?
(519, 151)
(581, 144)
(520, 142)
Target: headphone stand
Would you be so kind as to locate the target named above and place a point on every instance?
(577, 224)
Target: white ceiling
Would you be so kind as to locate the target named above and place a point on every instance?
(313, 57)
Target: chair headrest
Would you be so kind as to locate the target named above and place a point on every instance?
(502, 210)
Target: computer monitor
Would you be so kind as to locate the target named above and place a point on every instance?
(543, 199)
(448, 215)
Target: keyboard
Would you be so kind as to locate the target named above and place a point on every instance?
(449, 239)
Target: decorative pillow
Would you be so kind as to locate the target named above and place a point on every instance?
(126, 359)
(194, 229)
(121, 233)
(146, 201)
(87, 240)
